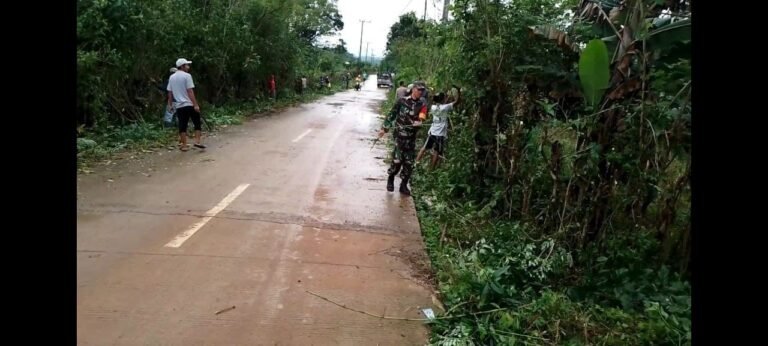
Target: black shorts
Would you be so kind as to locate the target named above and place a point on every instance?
(186, 113)
(436, 142)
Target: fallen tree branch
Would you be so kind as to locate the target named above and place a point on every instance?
(402, 318)
(365, 312)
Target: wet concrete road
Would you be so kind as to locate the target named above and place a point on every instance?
(279, 206)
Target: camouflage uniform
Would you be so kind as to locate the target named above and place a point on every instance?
(402, 116)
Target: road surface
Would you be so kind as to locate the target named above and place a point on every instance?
(282, 205)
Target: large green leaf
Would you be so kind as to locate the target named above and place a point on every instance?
(594, 71)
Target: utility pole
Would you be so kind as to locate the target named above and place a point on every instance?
(366, 51)
(446, 5)
(360, 51)
(425, 10)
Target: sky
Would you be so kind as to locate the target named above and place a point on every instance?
(381, 14)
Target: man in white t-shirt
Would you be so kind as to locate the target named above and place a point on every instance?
(438, 131)
(181, 96)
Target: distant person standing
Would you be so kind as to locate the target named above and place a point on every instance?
(181, 96)
(272, 88)
(303, 83)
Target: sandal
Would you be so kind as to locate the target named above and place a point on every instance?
(201, 146)
(184, 148)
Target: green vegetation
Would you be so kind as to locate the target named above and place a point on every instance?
(563, 204)
(126, 48)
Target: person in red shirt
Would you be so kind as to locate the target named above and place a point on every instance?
(272, 87)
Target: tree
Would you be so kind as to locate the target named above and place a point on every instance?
(317, 18)
(407, 28)
(125, 49)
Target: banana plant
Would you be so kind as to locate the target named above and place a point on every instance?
(594, 71)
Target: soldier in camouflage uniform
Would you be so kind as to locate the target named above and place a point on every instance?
(406, 117)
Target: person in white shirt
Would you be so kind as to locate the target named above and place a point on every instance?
(438, 131)
(181, 96)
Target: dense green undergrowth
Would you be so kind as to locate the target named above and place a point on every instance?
(545, 295)
(560, 214)
(538, 289)
(617, 292)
